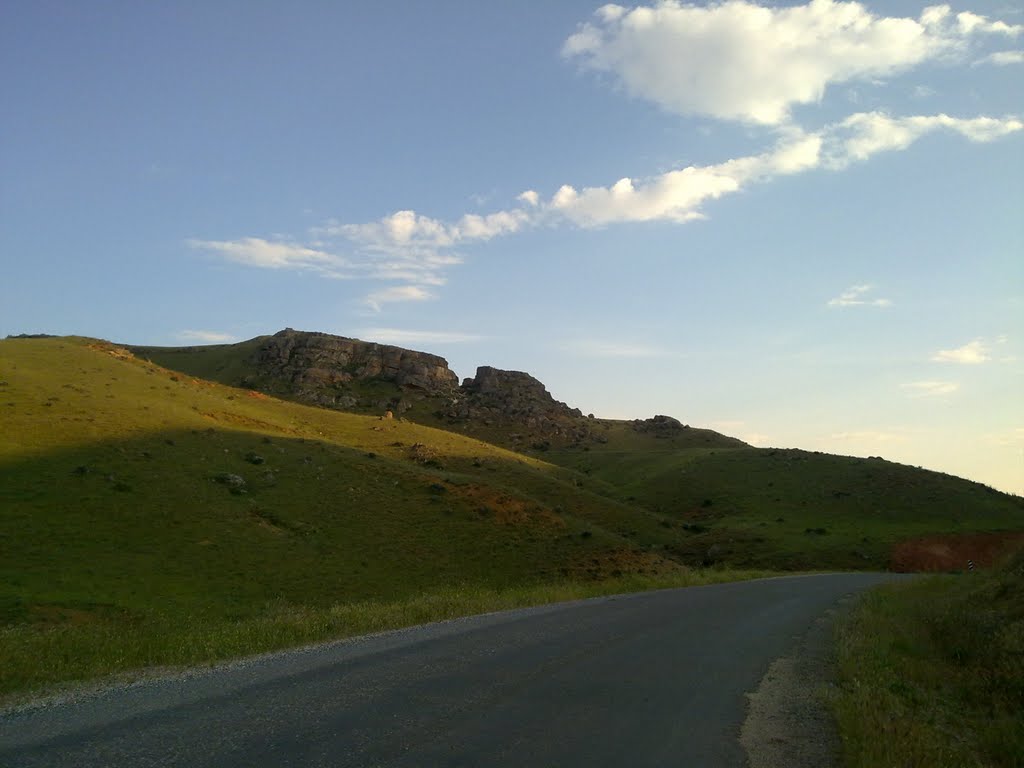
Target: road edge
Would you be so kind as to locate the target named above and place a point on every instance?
(789, 723)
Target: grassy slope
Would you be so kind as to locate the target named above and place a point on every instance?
(113, 526)
(790, 508)
(121, 550)
(734, 504)
(932, 673)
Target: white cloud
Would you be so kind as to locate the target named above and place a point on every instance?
(930, 388)
(740, 61)
(864, 134)
(856, 296)
(398, 293)
(614, 349)
(679, 194)
(207, 337)
(971, 353)
(530, 197)
(416, 250)
(401, 336)
(257, 252)
(1002, 58)
(407, 233)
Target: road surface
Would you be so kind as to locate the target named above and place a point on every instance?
(652, 679)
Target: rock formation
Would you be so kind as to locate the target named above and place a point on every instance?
(320, 368)
(512, 398)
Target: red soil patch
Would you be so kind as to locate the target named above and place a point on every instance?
(599, 565)
(952, 552)
(506, 509)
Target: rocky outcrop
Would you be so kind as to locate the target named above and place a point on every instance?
(320, 368)
(512, 398)
(660, 426)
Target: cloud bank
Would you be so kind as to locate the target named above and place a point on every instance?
(741, 61)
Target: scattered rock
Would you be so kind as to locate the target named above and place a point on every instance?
(659, 426)
(230, 480)
(254, 458)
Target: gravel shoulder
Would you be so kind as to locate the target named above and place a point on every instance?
(789, 724)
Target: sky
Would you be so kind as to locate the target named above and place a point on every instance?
(798, 224)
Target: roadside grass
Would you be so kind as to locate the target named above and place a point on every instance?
(932, 673)
(38, 663)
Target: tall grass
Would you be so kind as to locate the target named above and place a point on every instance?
(932, 673)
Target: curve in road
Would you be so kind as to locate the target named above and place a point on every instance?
(650, 679)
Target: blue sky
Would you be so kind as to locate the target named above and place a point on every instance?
(797, 224)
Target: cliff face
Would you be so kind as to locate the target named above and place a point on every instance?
(335, 371)
(318, 367)
(513, 398)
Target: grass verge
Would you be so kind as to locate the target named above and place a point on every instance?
(38, 662)
(932, 673)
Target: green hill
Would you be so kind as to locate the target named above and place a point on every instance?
(150, 516)
(724, 501)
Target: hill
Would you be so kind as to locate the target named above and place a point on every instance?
(148, 515)
(734, 504)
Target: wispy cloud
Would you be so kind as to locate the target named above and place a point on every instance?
(742, 61)
(207, 337)
(857, 296)
(1002, 58)
(604, 348)
(402, 336)
(930, 388)
(972, 353)
(398, 293)
(268, 254)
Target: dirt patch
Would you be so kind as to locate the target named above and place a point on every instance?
(117, 352)
(506, 509)
(788, 721)
(620, 562)
(953, 552)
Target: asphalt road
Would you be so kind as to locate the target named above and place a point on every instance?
(654, 679)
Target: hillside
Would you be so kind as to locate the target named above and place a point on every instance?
(141, 508)
(734, 504)
(508, 408)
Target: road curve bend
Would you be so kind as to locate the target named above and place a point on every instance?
(650, 679)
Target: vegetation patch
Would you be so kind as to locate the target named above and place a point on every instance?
(932, 673)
